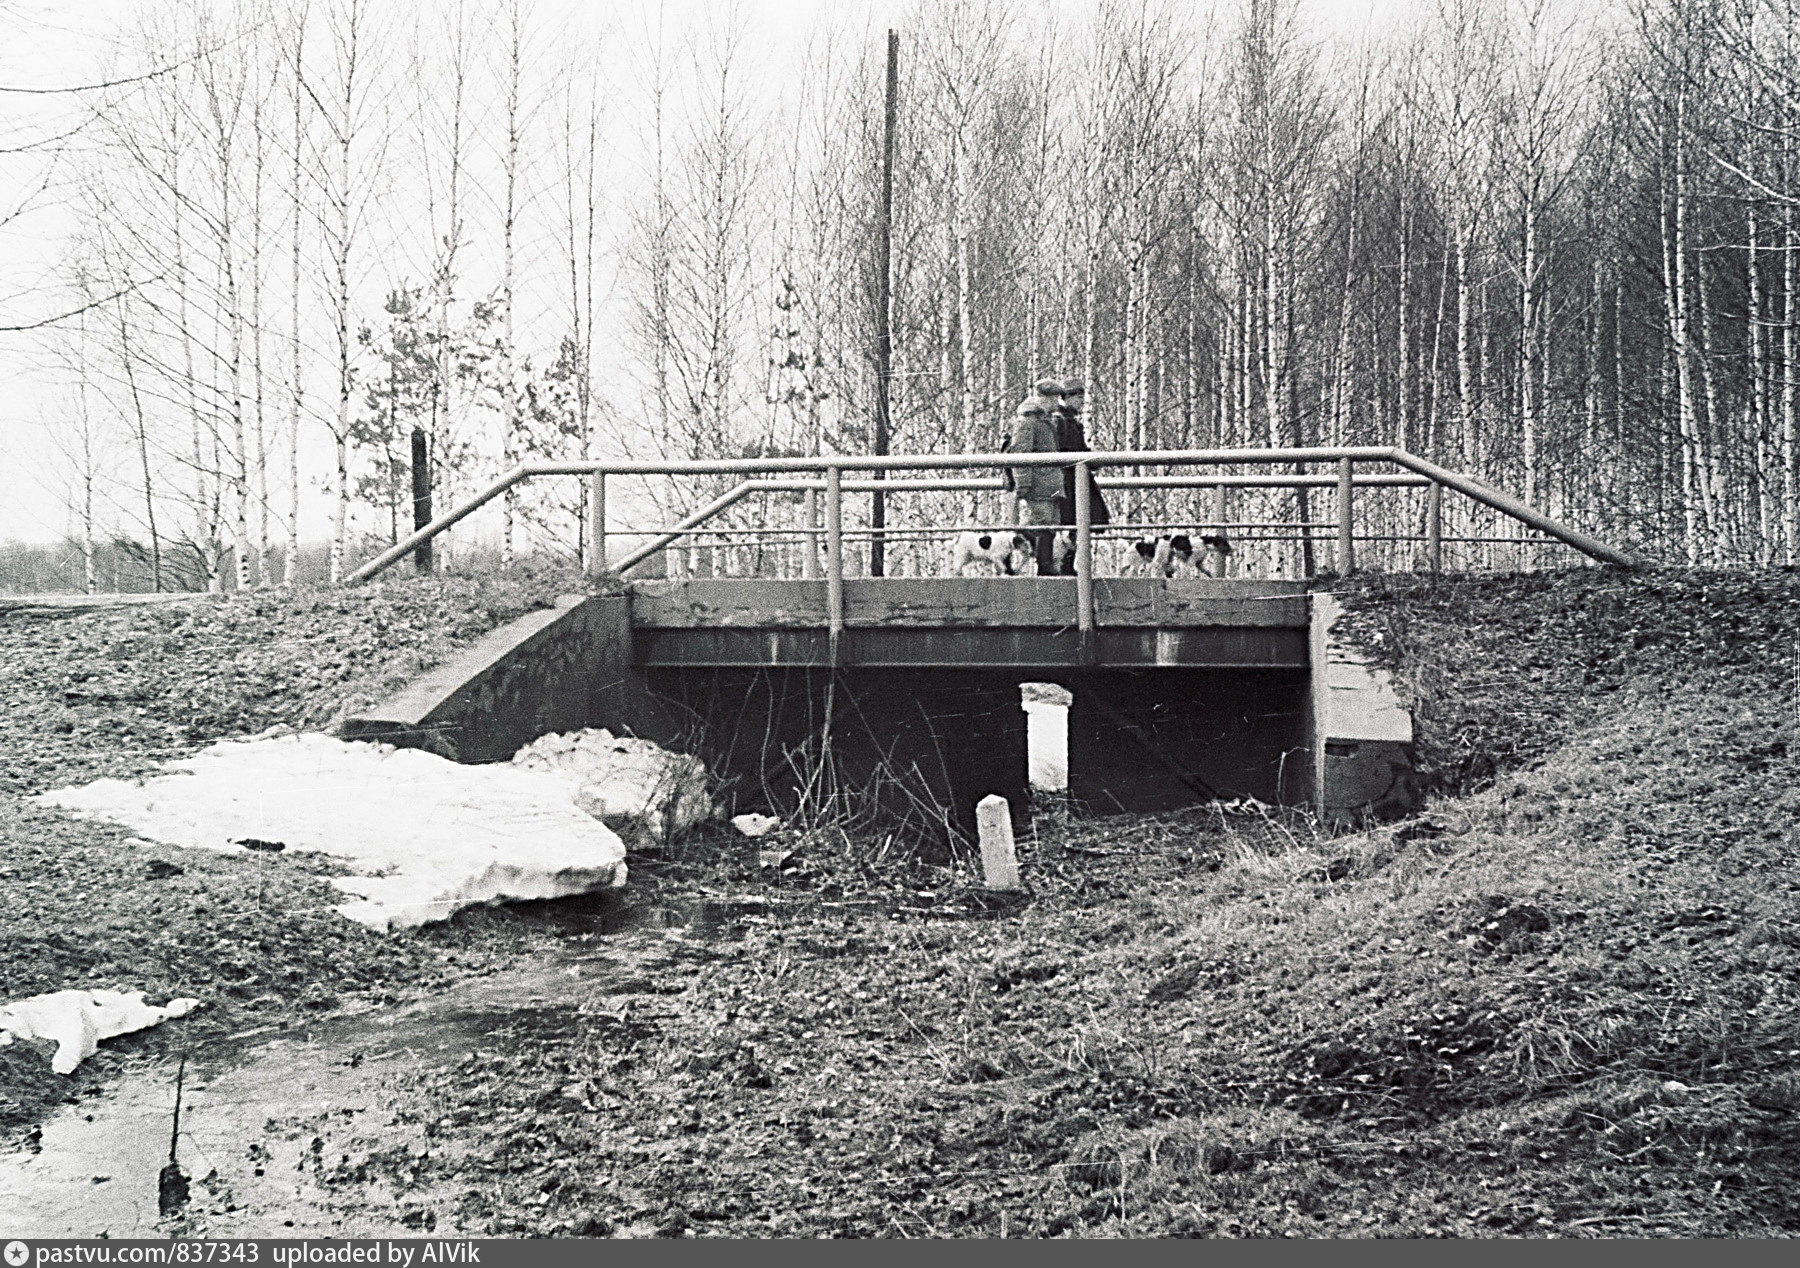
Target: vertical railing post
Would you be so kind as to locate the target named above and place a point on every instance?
(1084, 559)
(809, 540)
(834, 556)
(1434, 527)
(596, 561)
(1219, 511)
(1346, 508)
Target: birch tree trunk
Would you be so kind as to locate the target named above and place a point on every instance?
(140, 434)
(1790, 386)
(1340, 361)
(1758, 400)
(1465, 369)
(1432, 423)
(443, 447)
(223, 116)
(1403, 342)
(509, 394)
(1528, 349)
(259, 160)
(205, 533)
(1624, 492)
(348, 24)
(965, 293)
(290, 563)
(1674, 248)
(1712, 500)
(1590, 418)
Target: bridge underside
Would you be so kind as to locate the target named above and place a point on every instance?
(1185, 689)
(927, 744)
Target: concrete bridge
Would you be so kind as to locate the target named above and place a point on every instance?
(907, 690)
(1192, 689)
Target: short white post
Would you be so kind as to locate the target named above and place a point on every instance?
(999, 863)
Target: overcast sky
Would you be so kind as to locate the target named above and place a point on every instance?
(55, 43)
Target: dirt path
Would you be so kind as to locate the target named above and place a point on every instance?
(72, 604)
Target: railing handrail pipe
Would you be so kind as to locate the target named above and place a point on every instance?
(737, 493)
(1509, 505)
(977, 484)
(833, 467)
(400, 550)
(969, 461)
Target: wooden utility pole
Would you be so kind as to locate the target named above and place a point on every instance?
(421, 495)
(884, 302)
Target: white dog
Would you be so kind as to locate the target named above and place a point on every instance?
(1148, 558)
(1174, 556)
(992, 555)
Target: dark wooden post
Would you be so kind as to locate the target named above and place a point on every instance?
(884, 303)
(421, 496)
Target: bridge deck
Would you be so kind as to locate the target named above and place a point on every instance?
(1000, 622)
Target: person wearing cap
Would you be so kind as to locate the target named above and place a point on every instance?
(1072, 438)
(1039, 489)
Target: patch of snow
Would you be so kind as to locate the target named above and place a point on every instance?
(79, 1020)
(430, 836)
(637, 788)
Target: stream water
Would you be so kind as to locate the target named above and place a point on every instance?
(274, 1128)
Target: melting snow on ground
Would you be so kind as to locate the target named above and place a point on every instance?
(79, 1020)
(635, 787)
(428, 835)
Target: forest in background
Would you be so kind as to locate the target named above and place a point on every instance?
(1550, 245)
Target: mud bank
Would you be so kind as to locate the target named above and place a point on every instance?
(311, 1130)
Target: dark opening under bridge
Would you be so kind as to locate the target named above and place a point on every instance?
(1184, 689)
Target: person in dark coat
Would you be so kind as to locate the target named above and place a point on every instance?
(1039, 489)
(1072, 438)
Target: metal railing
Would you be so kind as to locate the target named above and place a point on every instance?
(824, 476)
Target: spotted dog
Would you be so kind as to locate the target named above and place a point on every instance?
(991, 555)
(1173, 555)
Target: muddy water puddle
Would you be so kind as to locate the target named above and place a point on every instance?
(300, 1133)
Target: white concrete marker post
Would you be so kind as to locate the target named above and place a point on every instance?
(993, 819)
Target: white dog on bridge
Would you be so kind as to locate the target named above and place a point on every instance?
(1003, 554)
(1173, 555)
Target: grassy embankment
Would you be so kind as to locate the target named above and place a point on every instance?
(1564, 1000)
